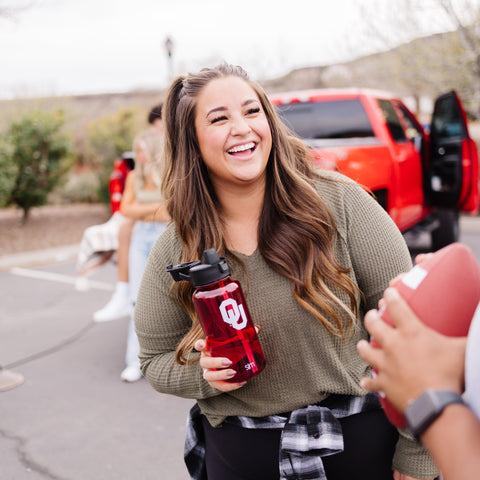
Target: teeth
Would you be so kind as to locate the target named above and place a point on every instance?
(242, 148)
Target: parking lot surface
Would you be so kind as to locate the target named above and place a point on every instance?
(72, 418)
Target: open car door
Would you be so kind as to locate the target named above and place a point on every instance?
(453, 168)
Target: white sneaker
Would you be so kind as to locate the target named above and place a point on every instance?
(119, 306)
(9, 379)
(131, 374)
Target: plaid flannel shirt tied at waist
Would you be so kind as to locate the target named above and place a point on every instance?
(308, 434)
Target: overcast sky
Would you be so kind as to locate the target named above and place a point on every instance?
(89, 46)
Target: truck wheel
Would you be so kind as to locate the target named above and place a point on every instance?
(448, 230)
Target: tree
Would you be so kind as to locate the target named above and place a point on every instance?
(40, 155)
(447, 58)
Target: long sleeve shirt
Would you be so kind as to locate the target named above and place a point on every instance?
(304, 362)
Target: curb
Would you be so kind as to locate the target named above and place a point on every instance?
(39, 257)
(70, 252)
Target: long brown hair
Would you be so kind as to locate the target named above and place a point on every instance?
(296, 231)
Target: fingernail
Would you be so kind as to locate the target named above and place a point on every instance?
(226, 362)
(391, 293)
(231, 373)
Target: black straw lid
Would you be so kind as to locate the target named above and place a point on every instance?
(214, 268)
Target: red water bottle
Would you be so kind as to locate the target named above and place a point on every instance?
(223, 314)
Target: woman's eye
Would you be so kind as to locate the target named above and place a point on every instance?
(218, 119)
(253, 110)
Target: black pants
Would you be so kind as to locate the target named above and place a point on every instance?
(235, 453)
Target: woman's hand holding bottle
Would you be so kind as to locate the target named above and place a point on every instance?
(215, 369)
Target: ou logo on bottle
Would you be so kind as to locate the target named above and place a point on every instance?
(233, 314)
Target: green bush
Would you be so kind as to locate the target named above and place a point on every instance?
(39, 155)
(8, 171)
(78, 188)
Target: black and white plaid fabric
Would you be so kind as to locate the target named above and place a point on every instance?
(308, 434)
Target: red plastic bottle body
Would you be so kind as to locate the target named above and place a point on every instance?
(228, 327)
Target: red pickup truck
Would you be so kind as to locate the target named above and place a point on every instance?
(423, 178)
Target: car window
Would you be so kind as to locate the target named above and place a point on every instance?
(330, 119)
(393, 121)
(448, 119)
(412, 129)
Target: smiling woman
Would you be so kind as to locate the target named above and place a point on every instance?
(314, 252)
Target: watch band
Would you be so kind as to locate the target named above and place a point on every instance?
(421, 412)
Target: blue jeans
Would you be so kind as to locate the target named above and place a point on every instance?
(144, 236)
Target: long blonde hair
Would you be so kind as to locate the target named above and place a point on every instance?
(151, 142)
(296, 231)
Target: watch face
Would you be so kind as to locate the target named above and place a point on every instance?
(418, 412)
(427, 407)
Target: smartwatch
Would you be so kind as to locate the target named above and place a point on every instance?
(421, 412)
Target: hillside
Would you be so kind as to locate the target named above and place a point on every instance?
(400, 70)
(382, 70)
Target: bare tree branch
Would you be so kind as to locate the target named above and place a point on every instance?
(12, 9)
(448, 58)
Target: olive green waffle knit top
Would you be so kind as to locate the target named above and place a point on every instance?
(304, 363)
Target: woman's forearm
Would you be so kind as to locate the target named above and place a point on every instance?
(147, 212)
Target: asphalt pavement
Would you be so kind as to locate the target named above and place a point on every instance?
(72, 418)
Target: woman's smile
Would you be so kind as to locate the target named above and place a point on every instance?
(243, 151)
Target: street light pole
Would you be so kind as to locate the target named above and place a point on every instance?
(169, 50)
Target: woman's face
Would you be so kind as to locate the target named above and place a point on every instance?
(233, 132)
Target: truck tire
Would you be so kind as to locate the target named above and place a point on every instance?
(448, 230)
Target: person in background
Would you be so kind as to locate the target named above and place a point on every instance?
(155, 118)
(142, 202)
(313, 251)
(414, 362)
(120, 304)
